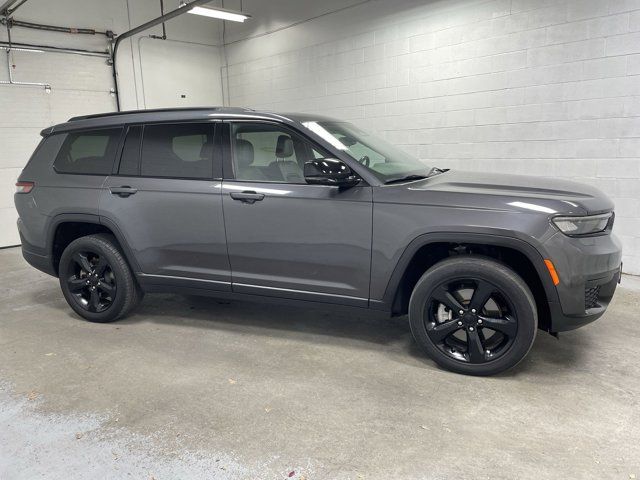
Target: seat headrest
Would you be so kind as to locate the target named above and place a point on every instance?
(284, 147)
(206, 152)
(244, 152)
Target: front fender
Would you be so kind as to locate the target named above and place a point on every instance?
(387, 286)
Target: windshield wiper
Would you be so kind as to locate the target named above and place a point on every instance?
(408, 178)
(436, 171)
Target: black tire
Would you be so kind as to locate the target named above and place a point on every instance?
(91, 268)
(460, 338)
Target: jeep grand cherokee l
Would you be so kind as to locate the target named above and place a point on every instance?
(237, 203)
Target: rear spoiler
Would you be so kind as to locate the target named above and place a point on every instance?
(46, 132)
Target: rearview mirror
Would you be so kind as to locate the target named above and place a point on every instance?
(329, 171)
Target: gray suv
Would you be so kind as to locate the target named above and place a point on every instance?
(236, 203)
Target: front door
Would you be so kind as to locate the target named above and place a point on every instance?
(166, 200)
(287, 238)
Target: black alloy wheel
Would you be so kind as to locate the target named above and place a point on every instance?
(92, 283)
(470, 320)
(96, 279)
(473, 315)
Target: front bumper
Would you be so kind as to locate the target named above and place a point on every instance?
(589, 269)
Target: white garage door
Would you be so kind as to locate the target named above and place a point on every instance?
(79, 85)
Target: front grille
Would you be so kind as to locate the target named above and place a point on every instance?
(591, 297)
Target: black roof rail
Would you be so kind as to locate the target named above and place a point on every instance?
(155, 110)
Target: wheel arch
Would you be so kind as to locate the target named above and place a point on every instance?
(428, 249)
(66, 227)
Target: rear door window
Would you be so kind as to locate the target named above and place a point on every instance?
(89, 152)
(179, 151)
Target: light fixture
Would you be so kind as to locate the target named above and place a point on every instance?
(221, 13)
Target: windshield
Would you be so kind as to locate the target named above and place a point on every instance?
(384, 160)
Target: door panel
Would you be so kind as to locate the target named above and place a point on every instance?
(300, 241)
(174, 227)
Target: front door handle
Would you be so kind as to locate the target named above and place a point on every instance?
(247, 197)
(123, 191)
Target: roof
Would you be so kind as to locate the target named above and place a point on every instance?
(163, 110)
(109, 119)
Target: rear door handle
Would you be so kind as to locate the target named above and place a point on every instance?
(123, 191)
(247, 197)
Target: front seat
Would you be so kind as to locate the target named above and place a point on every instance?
(289, 169)
(244, 160)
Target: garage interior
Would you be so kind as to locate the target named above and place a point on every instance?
(201, 388)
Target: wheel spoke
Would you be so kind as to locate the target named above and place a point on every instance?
(76, 284)
(94, 301)
(481, 295)
(506, 325)
(447, 299)
(443, 330)
(101, 266)
(475, 349)
(106, 288)
(82, 260)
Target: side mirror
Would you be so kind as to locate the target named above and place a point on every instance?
(329, 171)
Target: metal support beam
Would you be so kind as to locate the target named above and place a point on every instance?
(142, 28)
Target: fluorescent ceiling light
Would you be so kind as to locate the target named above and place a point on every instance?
(220, 13)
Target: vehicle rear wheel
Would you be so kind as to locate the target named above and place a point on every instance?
(96, 280)
(473, 315)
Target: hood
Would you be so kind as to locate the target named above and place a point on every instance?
(493, 191)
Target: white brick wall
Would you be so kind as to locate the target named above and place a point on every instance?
(546, 87)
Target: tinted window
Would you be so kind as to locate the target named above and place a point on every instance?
(180, 151)
(269, 153)
(130, 159)
(89, 152)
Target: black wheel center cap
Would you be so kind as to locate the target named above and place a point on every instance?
(469, 318)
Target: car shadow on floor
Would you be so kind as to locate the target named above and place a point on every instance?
(355, 328)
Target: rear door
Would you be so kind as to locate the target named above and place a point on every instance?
(165, 198)
(287, 238)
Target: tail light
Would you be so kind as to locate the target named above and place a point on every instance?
(24, 187)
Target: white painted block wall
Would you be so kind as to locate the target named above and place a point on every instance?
(153, 73)
(545, 87)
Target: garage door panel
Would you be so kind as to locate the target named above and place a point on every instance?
(9, 232)
(79, 85)
(63, 71)
(8, 177)
(23, 107)
(70, 103)
(18, 145)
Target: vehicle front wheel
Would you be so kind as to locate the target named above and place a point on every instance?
(473, 315)
(96, 280)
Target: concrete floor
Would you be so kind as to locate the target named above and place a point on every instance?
(195, 388)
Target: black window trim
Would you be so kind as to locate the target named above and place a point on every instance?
(217, 150)
(93, 129)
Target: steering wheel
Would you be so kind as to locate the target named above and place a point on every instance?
(365, 161)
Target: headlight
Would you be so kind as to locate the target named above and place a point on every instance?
(576, 226)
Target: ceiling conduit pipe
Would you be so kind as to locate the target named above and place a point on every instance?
(141, 28)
